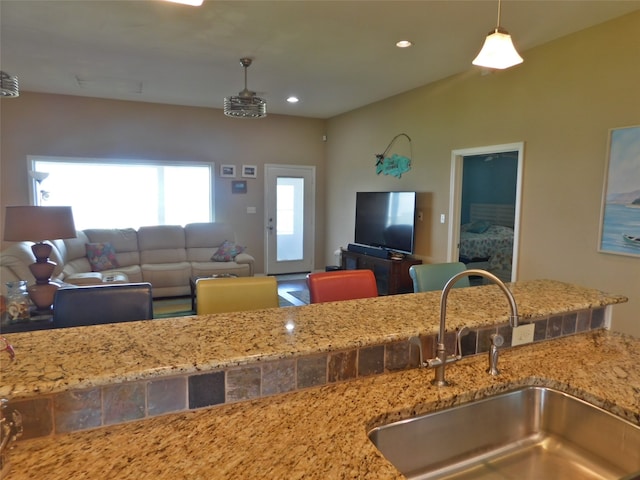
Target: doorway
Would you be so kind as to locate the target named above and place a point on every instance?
(502, 216)
(289, 218)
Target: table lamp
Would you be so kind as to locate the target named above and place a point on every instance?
(37, 224)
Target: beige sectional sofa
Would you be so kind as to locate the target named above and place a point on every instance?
(165, 256)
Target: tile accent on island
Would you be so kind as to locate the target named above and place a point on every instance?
(113, 404)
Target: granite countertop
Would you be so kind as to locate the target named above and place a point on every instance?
(52, 361)
(321, 433)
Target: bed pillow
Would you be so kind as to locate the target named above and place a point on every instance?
(227, 252)
(102, 256)
(479, 226)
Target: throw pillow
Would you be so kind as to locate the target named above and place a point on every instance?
(480, 226)
(102, 256)
(227, 252)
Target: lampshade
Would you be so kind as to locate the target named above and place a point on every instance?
(38, 223)
(8, 85)
(498, 51)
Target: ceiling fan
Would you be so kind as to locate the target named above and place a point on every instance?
(246, 104)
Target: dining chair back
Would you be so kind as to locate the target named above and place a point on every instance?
(235, 294)
(98, 304)
(341, 285)
(434, 276)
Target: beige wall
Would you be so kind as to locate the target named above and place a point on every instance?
(561, 102)
(41, 124)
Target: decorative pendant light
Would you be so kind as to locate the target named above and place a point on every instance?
(246, 104)
(8, 85)
(498, 50)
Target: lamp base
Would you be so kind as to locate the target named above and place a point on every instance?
(43, 291)
(42, 295)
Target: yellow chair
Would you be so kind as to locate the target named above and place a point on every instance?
(434, 276)
(237, 294)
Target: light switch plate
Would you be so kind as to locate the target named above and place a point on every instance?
(522, 334)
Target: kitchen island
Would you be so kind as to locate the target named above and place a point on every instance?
(316, 432)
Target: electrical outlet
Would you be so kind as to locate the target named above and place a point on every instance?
(522, 334)
(442, 218)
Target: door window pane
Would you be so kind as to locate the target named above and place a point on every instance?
(290, 218)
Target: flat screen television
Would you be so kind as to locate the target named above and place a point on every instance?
(386, 220)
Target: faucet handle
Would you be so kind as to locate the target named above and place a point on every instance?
(418, 343)
(497, 340)
(459, 334)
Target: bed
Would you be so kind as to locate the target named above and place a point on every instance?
(486, 242)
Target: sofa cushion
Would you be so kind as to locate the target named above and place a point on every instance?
(15, 262)
(162, 244)
(206, 269)
(208, 234)
(102, 256)
(227, 252)
(124, 240)
(166, 274)
(203, 239)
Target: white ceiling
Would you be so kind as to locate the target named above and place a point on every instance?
(335, 55)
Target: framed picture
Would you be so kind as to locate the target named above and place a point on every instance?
(239, 186)
(620, 214)
(228, 171)
(249, 171)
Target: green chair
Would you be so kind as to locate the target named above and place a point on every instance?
(434, 276)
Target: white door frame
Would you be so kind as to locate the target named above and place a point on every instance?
(455, 200)
(307, 264)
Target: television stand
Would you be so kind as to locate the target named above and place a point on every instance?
(392, 276)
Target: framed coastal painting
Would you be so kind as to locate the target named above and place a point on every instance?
(620, 215)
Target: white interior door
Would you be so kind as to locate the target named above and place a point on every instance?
(455, 201)
(289, 218)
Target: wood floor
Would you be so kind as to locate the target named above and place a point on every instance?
(289, 283)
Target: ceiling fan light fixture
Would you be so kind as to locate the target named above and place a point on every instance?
(246, 104)
(9, 85)
(498, 50)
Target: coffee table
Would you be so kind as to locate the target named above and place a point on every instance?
(194, 279)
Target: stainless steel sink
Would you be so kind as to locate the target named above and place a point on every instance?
(530, 433)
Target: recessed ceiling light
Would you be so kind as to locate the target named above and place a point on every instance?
(293, 99)
(403, 44)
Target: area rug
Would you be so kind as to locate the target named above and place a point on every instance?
(302, 295)
(172, 307)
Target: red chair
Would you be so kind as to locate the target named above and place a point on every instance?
(341, 285)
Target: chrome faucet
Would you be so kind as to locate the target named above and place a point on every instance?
(441, 359)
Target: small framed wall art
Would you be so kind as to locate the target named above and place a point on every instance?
(239, 186)
(228, 171)
(249, 171)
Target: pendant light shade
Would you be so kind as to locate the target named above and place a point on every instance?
(246, 104)
(498, 50)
